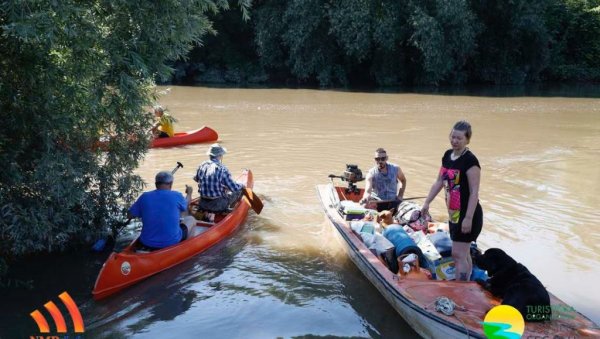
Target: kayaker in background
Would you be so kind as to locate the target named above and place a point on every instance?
(163, 128)
(160, 211)
(382, 180)
(460, 174)
(218, 191)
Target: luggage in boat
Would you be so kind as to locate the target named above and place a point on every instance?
(381, 247)
(433, 227)
(360, 226)
(378, 244)
(478, 274)
(352, 210)
(427, 247)
(405, 211)
(403, 242)
(409, 213)
(444, 269)
(409, 268)
(442, 242)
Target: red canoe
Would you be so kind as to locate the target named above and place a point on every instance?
(414, 294)
(128, 267)
(204, 134)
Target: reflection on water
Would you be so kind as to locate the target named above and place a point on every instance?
(285, 275)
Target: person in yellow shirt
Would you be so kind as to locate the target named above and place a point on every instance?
(163, 128)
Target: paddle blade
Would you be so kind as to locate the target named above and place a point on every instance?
(254, 200)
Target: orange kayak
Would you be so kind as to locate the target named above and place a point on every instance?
(413, 295)
(204, 134)
(129, 267)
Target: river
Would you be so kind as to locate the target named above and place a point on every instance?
(284, 274)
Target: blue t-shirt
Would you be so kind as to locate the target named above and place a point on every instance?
(160, 211)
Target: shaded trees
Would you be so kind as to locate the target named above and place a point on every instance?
(574, 27)
(393, 42)
(513, 46)
(444, 33)
(69, 72)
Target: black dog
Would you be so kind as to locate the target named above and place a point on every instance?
(513, 282)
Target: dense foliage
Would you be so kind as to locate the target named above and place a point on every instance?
(402, 42)
(71, 71)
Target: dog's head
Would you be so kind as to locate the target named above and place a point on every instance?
(385, 218)
(494, 260)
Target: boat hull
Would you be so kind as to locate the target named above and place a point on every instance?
(129, 267)
(414, 299)
(204, 134)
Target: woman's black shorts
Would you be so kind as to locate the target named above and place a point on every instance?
(457, 235)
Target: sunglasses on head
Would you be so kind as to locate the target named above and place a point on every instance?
(381, 159)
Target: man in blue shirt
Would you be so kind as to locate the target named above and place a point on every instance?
(213, 180)
(160, 211)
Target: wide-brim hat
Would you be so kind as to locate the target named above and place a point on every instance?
(216, 150)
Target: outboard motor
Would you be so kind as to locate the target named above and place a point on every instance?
(352, 175)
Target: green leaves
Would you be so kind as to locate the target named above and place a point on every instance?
(394, 42)
(333, 41)
(445, 38)
(70, 72)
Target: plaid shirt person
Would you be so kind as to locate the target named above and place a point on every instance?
(212, 178)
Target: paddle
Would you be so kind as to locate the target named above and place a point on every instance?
(116, 229)
(253, 199)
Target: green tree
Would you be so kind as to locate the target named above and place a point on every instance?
(70, 71)
(513, 45)
(574, 27)
(294, 36)
(312, 50)
(444, 33)
(392, 55)
(393, 42)
(352, 26)
(268, 38)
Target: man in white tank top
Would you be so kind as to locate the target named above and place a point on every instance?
(382, 180)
